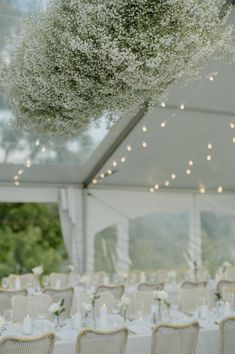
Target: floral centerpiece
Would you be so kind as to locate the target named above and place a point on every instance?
(70, 268)
(38, 272)
(162, 298)
(57, 309)
(93, 297)
(224, 268)
(124, 304)
(88, 308)
(83, 59)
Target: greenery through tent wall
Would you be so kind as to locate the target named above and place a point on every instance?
(30, 235)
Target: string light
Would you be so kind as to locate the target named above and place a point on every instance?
(28, 163)
(16, 178)
(151, 189)
(232, 125)
(173, 176)
(94, 181)
(182, 107)
(129, 148)
(17, 183)
(156, 187)
(188, 172)
(109, 172)
(234, 140)
(123, 159)
(163, 104)
(208, 157)
(163, 124)
(37, 142)
(102, 175)
(167, 183)
(114, 163)
(144, 144)
(190, 163)
(144, 129)
(20, 172)
(220, 189)
(43, 149)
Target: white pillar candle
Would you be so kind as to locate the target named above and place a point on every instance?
(227, 309)
(17, 283)
(76, 322)
(142, 277)
(103, 315)
(58, 284)
(27, 325)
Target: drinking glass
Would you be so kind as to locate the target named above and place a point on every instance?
(139, 309)
(115, 307)
(7, 315)
(5, 283)
(45, 280)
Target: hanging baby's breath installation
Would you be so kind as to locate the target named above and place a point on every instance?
(83, 59)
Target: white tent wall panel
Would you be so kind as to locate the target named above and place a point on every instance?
(115, 207)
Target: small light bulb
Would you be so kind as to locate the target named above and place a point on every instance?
(37, 142)
(28, 163)
(167, 183)
(202, 190)
(173, 176)
(114, 163)
(144, 144)
(208, 157)
(144, 128)
(190, 163)
(94, 181)
(109, 172)
(43, 149)
(123, 159)
(128, 148)
(17, 183)
(156, 187)
(220, 189)
(211, 78)
(151, 189)
(163, 124)
(163, 104)
(234, 140)
(209, 146)
(232, 125)
(16, 178)
(182, 107)
(102, 175)
(20, 172)
(188, 172)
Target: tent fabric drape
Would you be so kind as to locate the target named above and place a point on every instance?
(70, 209)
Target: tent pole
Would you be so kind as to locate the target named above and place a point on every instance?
(84, 230)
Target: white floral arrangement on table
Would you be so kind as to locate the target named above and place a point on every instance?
(57, 308)
(38, 272)
(225, 266)
(70, 268)
(87, 307)
(162, 298)
(82, 60)
(124, 304)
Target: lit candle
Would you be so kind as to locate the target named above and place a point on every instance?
(27, 325)
(103, 315)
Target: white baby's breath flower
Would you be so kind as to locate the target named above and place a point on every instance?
(85, 59)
